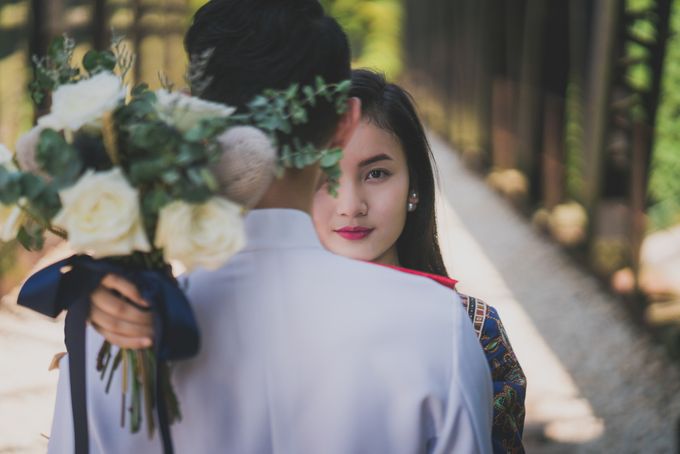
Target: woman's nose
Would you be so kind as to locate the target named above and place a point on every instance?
(350, 201)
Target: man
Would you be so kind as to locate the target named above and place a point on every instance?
(302, 351)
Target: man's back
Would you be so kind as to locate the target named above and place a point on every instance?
(307, 352)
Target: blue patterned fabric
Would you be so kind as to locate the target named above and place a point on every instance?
(509, 381)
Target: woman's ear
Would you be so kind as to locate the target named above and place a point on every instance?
(348, 123)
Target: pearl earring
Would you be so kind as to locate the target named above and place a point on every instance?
(412, 202)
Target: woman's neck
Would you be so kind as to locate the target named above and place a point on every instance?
(389, 257)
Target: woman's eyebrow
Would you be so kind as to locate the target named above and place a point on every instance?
(374, 159)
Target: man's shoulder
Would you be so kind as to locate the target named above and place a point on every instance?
(366, 287)
(371, 274)
(387, 281)
(318, 277)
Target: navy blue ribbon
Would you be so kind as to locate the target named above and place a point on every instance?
(68, 284)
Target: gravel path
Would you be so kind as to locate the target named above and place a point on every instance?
(28, 341)
(596, 382)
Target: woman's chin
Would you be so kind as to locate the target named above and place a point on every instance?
(364, 256)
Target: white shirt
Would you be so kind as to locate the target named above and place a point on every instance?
(303, 351)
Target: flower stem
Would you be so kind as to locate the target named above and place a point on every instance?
(55, 230)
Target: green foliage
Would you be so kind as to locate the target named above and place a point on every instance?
(277, 111)
(10, 186)
(31, 237)
(574, 140)
(95, 62)
(161, 161)
(330, 164)
(58, 158)
(54, 69)
(664, 184)
(36, 197)
(43, 202)
(374, 30)
(168, 165)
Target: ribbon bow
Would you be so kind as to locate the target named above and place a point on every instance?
(68, 284)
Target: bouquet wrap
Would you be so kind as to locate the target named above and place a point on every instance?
(67, 285)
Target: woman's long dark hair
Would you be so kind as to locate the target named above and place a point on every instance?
(391, 108)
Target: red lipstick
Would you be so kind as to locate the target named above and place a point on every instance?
(354, 233)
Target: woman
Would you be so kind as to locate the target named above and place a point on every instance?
(384, 213)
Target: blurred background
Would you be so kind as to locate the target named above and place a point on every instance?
(566, 111)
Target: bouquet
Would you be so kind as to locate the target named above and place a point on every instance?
(135, 179)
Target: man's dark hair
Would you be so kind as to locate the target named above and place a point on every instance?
(260, 44)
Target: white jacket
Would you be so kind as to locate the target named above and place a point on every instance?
(303, 351)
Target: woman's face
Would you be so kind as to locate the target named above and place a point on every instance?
(369, 213)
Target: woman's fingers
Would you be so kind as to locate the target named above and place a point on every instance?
(118, 314)
(134, 343)
(117, 307)
(125, 288)
(119, 326)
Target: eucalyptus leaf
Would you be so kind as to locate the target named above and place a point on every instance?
(146, 170)
(139, 89)
(31, 238)
(10, 186)
(31, 185)
(258, 102)
(209, 180)
(196, 194)
(195, 176)
(58, 158)
(310, 96)
(344, 86)
(170, 177)
(292, 91)
(320, 84)
(188, 154)
(95, 62)
(331, 157)
(155, 199)
(152, 136)
(47, 203)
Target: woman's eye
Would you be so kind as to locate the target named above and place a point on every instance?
(376, 174)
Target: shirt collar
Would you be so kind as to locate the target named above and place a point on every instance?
(279, 228)
(443, 280)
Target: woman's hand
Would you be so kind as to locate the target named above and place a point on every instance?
(120, 314)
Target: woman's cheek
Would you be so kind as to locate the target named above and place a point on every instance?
(322, 209)
(392, 203)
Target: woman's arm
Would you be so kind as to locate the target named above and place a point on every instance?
(509, 383)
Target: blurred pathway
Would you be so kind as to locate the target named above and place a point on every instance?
(596, 383)
(28, 341)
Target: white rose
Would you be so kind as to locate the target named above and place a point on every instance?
(85, 102)
(11, 218)
(101, 215)
(184, 111)
(200, 235)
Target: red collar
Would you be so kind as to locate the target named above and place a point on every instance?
(443, 280)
